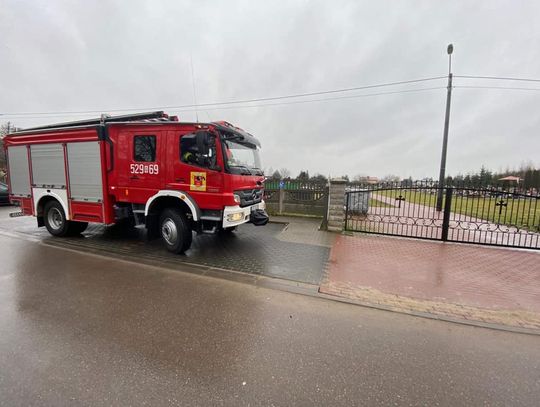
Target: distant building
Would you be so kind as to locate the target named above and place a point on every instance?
(367, 180)
(512, 178)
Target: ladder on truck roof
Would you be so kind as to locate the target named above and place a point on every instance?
(148, 116)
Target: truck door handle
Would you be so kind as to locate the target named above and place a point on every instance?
(180, 180)
(134, 177)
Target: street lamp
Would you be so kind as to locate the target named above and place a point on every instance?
(449, 50)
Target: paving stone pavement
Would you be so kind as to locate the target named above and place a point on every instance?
(464, 281)
(296, 256)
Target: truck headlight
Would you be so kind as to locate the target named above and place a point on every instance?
(234, 217)
(237, 198)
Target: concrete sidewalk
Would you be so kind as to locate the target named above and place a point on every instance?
(458, 281)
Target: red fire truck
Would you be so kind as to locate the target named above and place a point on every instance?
(147, 169)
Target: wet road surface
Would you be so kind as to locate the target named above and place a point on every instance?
(78, 329)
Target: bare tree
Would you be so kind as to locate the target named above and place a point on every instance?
(268, 171)
(318, 178)
(285, 173)
(303, 176)
(5, 128)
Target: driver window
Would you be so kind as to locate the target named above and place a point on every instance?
(189, 153)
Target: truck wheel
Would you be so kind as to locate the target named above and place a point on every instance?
(175, 231)
(55, 219)
(76, 228)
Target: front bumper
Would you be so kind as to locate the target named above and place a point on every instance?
(235, 215)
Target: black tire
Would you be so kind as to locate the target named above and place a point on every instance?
(76, 228)
(55, 220)
(174, 230)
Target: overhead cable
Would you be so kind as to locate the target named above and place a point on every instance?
(495, 87)
(174, 110)
(262, 99)
(499, 78)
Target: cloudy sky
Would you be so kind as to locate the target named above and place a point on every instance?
(60, 56)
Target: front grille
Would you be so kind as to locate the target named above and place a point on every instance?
(249, 196)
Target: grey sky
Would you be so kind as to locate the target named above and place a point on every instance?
(68, 55)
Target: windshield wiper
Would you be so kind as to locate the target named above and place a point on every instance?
(259, 171)
(243, 167)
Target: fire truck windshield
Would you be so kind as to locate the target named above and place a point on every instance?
(241, 158)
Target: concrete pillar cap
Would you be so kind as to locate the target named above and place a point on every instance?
(338, 181)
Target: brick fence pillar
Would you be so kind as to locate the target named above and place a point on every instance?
(336, 205)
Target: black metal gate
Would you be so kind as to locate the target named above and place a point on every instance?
(489, 216)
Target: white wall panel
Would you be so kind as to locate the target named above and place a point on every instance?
(59, 194)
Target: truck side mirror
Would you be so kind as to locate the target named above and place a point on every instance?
(203, 142)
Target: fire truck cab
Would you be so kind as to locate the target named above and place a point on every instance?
(145, 169)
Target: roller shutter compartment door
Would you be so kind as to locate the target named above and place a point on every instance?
(48, 169)
(84, 164)
(19, 173)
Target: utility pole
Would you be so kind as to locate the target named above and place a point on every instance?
(194, 91)
(450, 49)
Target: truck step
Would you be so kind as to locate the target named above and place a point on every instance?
(212, 218)
(212, 231)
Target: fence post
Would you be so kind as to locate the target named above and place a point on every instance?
(324, 223)
(347, 205)
(336, 205)
(446, 215)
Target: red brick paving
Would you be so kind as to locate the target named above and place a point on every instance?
(473, 276)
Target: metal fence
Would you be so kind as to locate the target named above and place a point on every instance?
(306, 198)
(492, 215)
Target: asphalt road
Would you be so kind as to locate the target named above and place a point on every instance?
(79, 329)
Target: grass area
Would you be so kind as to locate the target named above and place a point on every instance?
(522, 212)
(378, 204)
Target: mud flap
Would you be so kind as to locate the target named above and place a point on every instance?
(259, 217)
(152, 226)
